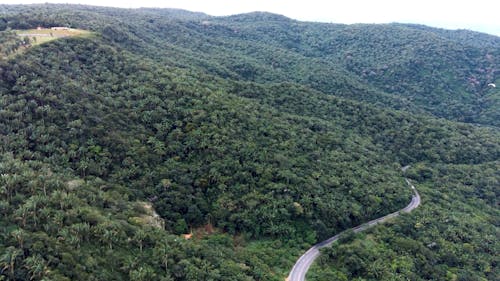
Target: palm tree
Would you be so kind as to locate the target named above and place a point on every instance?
(109, 237)
(33, 204)
(142, 274)
(21, 213)
(107, 234)
(162, 251)
(10, 183)
(129, 263)
(8, 260)
(37, 266)
(81, 230)
(57, 198)
(19, 234)
(140, 236)
(3, 191)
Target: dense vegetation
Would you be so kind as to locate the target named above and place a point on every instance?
(259, 133)
(9, 43)
(433, 243)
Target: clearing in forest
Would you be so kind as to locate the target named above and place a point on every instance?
(42, 35)
(13, 42)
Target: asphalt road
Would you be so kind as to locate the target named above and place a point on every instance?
(303, 264)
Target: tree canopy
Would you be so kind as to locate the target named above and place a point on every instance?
(258, 134)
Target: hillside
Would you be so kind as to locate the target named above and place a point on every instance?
(412, 67)
(259, 134)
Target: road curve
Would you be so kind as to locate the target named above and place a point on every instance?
(303, 264)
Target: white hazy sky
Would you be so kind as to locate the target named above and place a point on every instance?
(480, 15)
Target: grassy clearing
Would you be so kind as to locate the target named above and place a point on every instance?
(14, 42)
(40, 36)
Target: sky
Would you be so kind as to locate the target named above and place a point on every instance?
(479, 15)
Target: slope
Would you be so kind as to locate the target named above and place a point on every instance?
(452, 238)
(400, 66)
(152, 109)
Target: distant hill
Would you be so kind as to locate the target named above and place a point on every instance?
(257, 134)
(442, 72)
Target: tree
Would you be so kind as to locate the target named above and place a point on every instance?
(20, 235)
(22, 214)
(26, 40)
(139, 236)
(37, 266)
(8, 260)
(143, 273)
(180, 226)
(82, 231)
(162, 251)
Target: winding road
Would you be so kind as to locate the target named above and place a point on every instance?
(303, 264)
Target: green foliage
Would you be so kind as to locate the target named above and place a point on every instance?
(450, 237)
(155, 125)
(9, 43)
(275, 132)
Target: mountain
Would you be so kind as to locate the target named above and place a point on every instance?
(258, 134)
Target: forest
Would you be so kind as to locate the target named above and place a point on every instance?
(258, 134)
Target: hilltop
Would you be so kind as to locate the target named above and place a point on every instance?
(17, 41)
